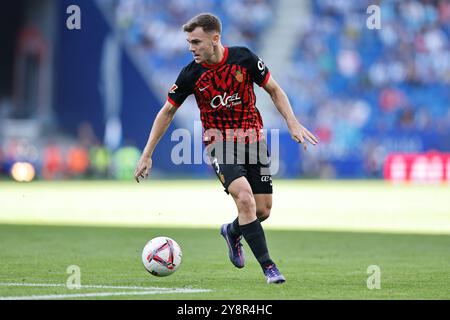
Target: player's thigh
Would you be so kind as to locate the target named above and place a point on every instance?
(224, 163)
(228, 173)
(259, 180)
(261, 185)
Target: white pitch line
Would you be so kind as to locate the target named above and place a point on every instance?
(101, 294)
(81, 287)
(144, 291)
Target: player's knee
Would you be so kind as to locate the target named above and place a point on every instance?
(246, 201)
(263, 213)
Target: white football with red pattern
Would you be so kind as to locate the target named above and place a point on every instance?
(161, 256)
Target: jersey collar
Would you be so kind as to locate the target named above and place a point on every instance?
(224, 59)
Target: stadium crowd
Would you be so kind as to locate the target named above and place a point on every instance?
(152, 29)
(369, 92)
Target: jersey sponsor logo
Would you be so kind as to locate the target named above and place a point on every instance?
(224, 100)
(173, 89)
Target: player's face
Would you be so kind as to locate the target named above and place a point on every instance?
(201, 44)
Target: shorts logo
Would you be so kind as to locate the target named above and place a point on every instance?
(222, 178)
(266, 179)
(173, 89)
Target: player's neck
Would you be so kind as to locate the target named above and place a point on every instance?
(218, 55)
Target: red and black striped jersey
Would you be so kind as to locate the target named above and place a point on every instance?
(225, 95)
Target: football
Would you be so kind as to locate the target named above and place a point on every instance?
(161, 256)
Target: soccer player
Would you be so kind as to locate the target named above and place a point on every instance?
(222, 78)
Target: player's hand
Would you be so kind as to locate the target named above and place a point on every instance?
(143, 167)
(300, 134)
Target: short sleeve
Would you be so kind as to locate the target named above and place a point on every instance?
(181, 89)
(258, 69)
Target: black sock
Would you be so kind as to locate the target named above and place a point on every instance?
(234, 230)
(254, 235)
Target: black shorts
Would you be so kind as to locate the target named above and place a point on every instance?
(232, 160)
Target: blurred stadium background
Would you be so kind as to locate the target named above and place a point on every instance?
(78, 105)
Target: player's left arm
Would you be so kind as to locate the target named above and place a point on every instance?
(298, 132)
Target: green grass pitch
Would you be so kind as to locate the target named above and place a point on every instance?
(36, 248)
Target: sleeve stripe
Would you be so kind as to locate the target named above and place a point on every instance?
(176, 105)
(266, 79)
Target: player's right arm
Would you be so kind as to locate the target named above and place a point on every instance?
(160, 126)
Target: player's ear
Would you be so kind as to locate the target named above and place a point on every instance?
(216, 38)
